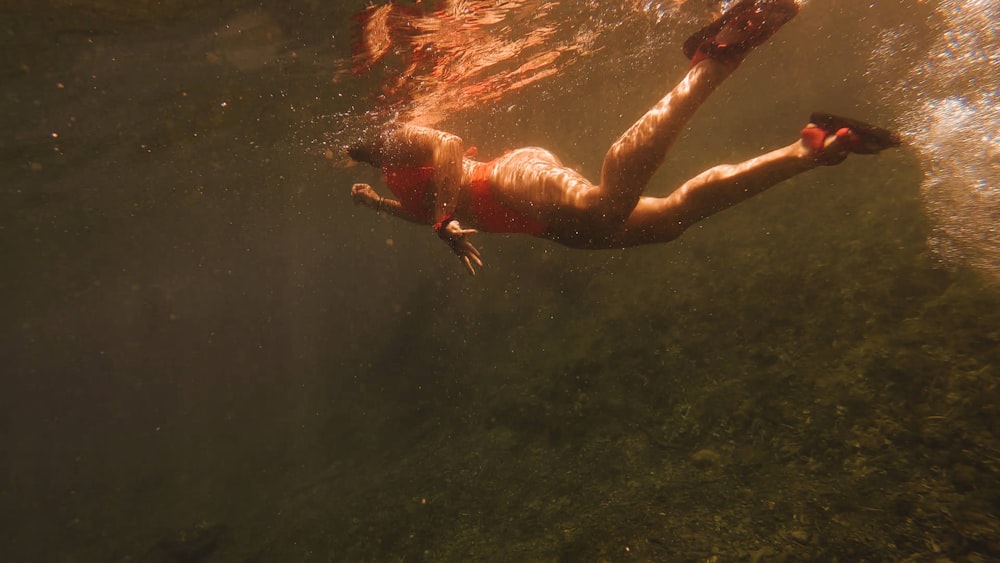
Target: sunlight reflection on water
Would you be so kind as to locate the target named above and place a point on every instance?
(466, 54)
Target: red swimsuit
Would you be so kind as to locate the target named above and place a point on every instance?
(411, 184)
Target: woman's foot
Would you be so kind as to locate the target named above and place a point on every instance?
(740, 30)
(830, 138)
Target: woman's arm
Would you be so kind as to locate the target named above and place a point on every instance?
(363, 194)
(451, 232)
(445, 152)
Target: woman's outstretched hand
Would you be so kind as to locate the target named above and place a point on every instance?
(452, 232)
(458, 240)
(363, 194)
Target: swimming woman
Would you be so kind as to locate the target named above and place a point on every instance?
(528, 190)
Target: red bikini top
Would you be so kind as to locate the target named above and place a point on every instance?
(412, 186)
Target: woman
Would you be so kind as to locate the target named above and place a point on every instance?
(529, 191)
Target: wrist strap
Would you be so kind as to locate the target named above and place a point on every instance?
(444, 222)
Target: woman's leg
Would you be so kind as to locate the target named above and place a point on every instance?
(826, 141)
(716, 51)
(662, 219)
(638, 153)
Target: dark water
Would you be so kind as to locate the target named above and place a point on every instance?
(211, 355)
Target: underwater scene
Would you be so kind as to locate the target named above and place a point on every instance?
(211, 353)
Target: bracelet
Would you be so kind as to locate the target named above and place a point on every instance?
(378, 206)
(444, 222)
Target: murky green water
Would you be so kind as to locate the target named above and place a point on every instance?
(211, 355)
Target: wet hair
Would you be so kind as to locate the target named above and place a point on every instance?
(368, 151)
(362, 152)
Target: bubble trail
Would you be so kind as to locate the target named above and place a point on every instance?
(950, 116)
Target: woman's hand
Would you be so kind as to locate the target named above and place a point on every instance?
(363, 194)
(457, 239)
